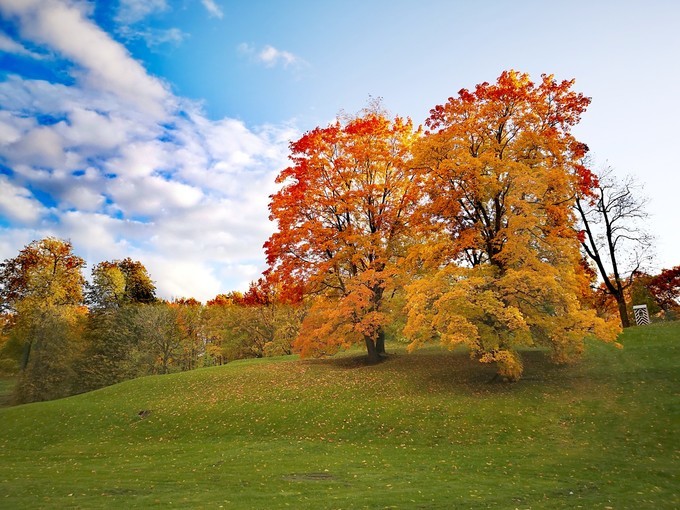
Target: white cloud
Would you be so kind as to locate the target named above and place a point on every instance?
(89, 128)
(139, 157)
(106, 65)
(12, 128)
(270, 56)
(90, 231)
(184, 194)
(97, 236)
(17, 203)
(229, 141)
(182, 278)
(83, 198)
(131, 23)
(11, 46)
(153, 37)
(12, 239)
(41, 146)
(212, 8)
(153, 196)
(132, 11)
(36, 97)
(168, 36)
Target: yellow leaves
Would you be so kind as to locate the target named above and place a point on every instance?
(473, 218)
(458, 331)
(494, 311)
(509, 363)
(457, 305)
(606, 330)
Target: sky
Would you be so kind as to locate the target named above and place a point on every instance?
(154, 129)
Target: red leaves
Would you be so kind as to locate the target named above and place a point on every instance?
(490, 185)
(665, 287)
(586, 180)
(344, 205)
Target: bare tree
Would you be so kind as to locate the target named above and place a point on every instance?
(614, 235)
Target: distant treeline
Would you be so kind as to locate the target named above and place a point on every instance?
(62, 335)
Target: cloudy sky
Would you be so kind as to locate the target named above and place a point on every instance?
(154, 128)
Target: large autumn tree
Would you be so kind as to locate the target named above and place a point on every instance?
(343, 216)
(500, 169)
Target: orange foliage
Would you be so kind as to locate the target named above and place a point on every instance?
(233, 298)
(500, 168)
(343, 217)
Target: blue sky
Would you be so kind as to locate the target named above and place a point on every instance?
(154, 129)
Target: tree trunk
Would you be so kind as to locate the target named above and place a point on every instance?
(380, 342)
(623, 310)
(26, 354)
(373, 355)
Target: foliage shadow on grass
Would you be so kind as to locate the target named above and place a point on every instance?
(434, 369)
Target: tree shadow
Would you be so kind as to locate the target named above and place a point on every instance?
(348, 361)
(433, 370)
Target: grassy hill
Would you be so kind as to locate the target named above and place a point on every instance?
(426, 430)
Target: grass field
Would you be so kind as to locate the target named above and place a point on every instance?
(426, 430)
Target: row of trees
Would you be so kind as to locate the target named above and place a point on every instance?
(474, 226)
(63, 335)
(486, 228)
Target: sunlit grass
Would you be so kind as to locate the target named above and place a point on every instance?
(426, 430)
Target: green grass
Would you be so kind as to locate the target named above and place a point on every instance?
(426, 430)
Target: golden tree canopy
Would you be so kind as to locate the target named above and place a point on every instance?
(500, 169)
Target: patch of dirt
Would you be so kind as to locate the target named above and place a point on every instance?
(309, 477)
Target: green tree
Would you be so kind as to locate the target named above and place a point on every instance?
(252, 325)
(270, 323)
(55, 336)
(139, 288)
(640, 294)
(191, 324)
(159, 335)
(45, 271)
(118, 282)
(115, 351)
(113, 348)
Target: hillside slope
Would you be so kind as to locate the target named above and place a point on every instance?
(425, 430)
